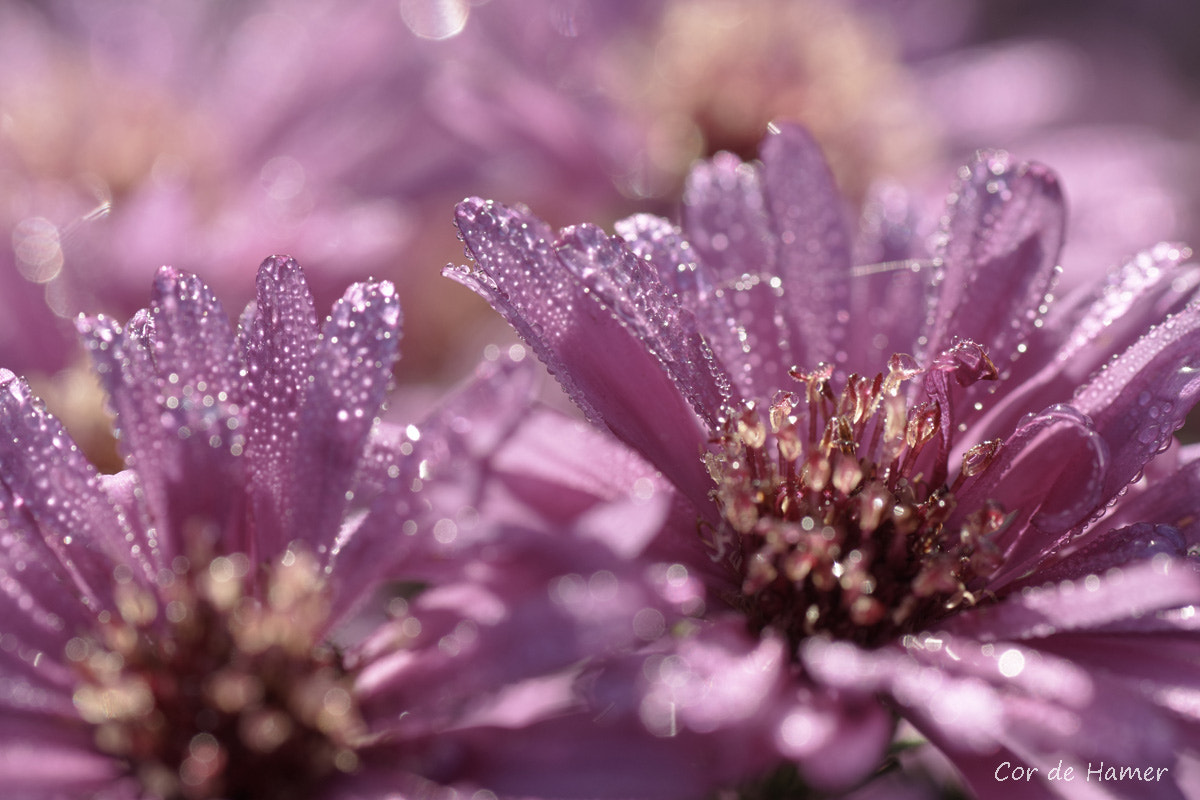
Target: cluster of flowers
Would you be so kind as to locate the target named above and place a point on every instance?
(842, 491)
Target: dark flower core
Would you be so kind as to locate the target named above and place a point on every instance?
(835, 506)
(220, 694)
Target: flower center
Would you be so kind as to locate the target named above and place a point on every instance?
(220, 693)
(836, 505)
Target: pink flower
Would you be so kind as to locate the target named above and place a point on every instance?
(202, 136)
(923, 486)
(283, 597)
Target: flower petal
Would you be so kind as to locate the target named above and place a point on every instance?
(838, 737)
(436, 464)
(46, 760)
(1000, 244)
(1094, 553)
(776, 245)
(40, 599)
(1172, 500)
(985, 700)
(808, 222)
(1049, 476)
(1082, 332)
(726, 220)
(596, 600)
(1140, 399)
(605, 368)
(173, 380)
(276, 337)
(1085, 599)
(729, 229)
(702, 714)
(351, 371)
(45, 476)
(664, 247)
(631, 289)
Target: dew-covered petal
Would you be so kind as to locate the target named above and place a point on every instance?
(837, 737)
(1083, 597)
(123, 361)
(46, 478)
(889, 229)
(999, 247)
(32, 679)
(351, 369)
(601, 363)
(40, 599)
(172, 378)
(1097, 552)
(887, 301)
(1083, 331)
(776, 245)
(1051, 707)
(277, 335)
(664, 247)
(812, 240)
(1172, 500)
(1169, 678)
(35, 676)
(632, 290)
(726, 220)
(728, 226)
(971, 711)
(1107, 317)
(1049, 476)
(733, 316)
(437, 463)
(891, 282)
(1139, 400)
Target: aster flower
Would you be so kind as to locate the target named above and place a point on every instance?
(1090, 88)
(707, 75)
(920, 487)
(135, 134)
(282, 596)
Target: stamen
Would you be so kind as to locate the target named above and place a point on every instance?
(221, 693)
(839, 530)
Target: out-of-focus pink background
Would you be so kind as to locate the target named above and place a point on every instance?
(210, 135)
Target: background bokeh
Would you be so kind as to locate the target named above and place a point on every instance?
(208, 135)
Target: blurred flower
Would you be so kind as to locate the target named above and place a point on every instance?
(1115, 128)
(1087, 87)
(711, 74)
(202, 135)
(281, 596)
(994, 534)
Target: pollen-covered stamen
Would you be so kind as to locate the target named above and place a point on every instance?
(215, 693)
(830, 518)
